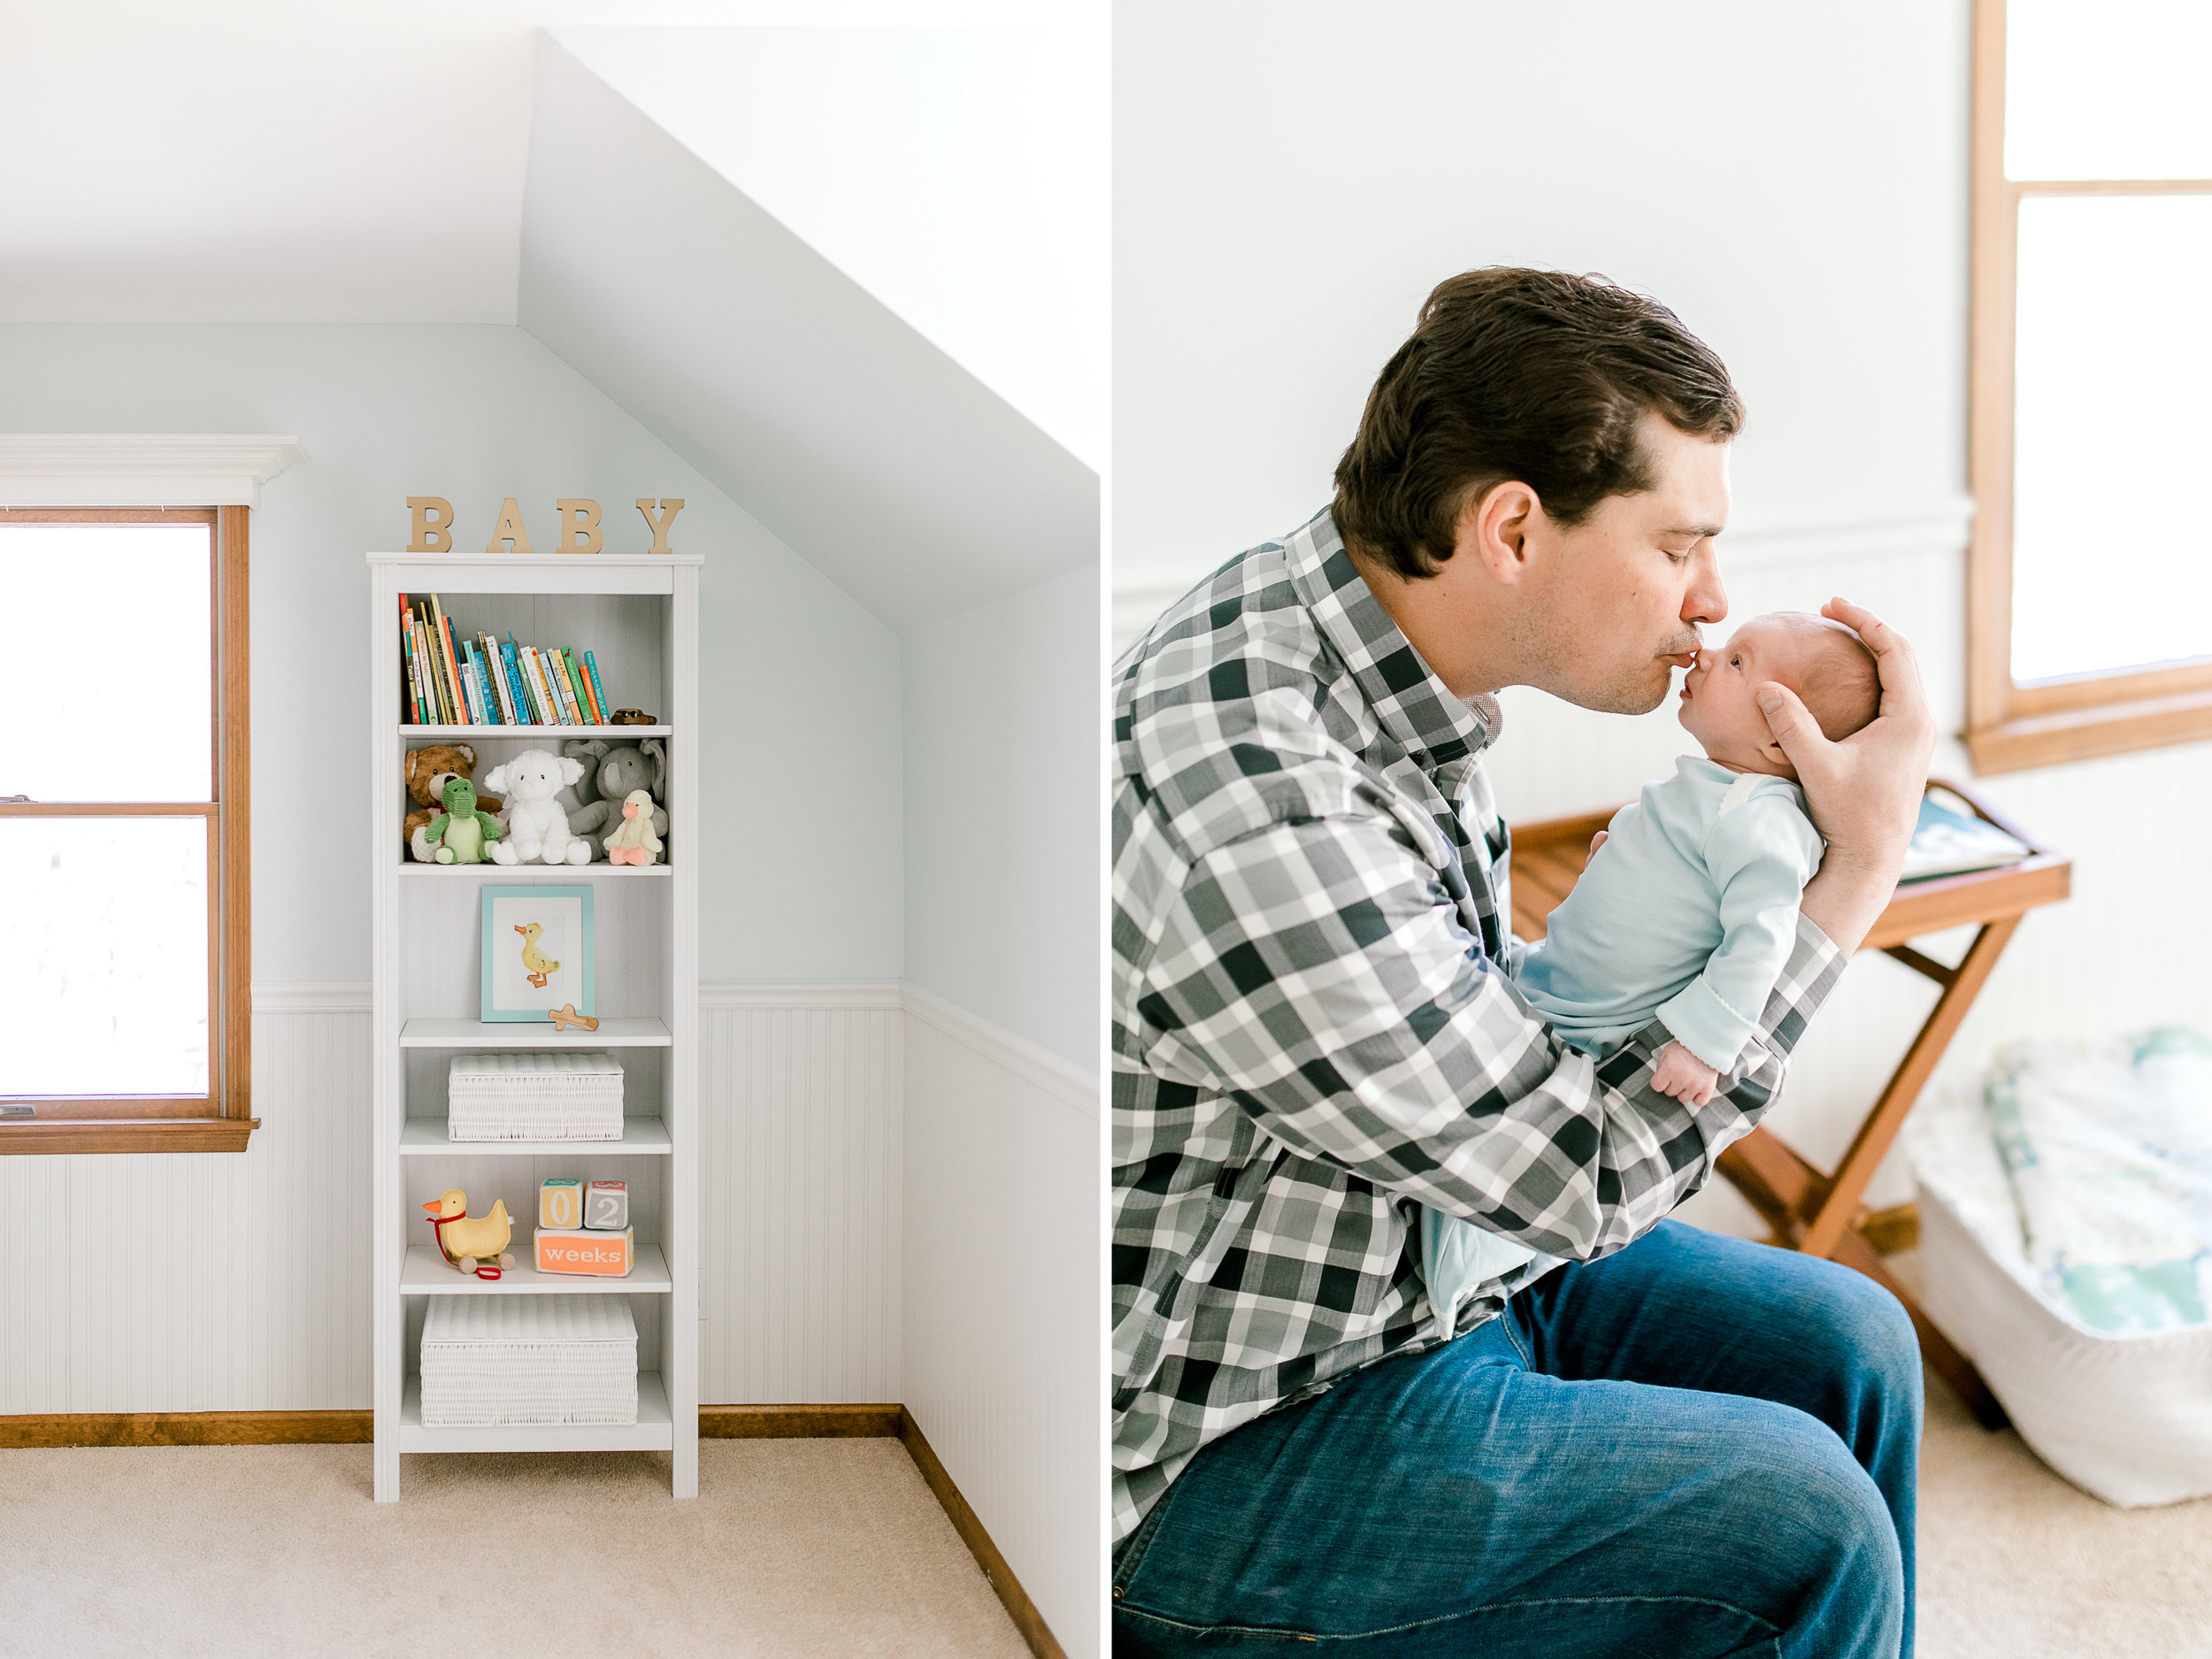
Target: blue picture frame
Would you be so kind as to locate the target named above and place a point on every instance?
(522, 984)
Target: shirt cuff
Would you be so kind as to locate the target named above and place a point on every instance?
(1707, 1026)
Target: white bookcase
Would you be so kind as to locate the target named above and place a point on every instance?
(639, 616)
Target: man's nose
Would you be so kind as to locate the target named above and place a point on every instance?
(1706, 600)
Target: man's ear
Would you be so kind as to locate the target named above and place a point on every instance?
(1493, 531)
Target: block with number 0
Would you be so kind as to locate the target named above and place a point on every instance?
(561, 1202)
(607, 1206)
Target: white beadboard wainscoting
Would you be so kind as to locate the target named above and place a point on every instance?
(166, 1282)
(1004, 1362)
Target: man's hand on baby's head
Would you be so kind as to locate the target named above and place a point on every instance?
(1682, 1076)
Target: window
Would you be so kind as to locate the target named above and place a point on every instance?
(124, 885)
(2090, 582)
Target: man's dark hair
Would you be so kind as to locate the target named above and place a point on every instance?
(1529, 375)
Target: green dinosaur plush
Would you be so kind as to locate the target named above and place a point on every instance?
(461, 832)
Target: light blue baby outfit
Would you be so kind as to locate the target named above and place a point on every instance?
(1686, 915)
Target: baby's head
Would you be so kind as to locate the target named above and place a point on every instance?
(1824, 663)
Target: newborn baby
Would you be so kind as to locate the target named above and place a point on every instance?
(1688, 911)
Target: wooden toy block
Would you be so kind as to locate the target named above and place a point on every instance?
(607, 1206)
(593, 1254)
(561, 1202)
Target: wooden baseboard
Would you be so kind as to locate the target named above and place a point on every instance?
(188, 1428)
(799, 1423)
(728, 1423)
(1016, 1600)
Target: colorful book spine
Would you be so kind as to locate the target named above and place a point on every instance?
(441, 711)
(598, 691)
(441, 633)
(538, 677)
(551, 658)
(583, 687)
(526, 711)
(487, 652)
(479, 694)
(577, 698)
(412, 708)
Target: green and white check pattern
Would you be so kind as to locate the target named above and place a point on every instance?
(1315, 1031)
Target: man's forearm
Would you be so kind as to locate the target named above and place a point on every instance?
(1844, 900)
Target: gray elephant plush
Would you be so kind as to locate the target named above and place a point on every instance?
(610, 771)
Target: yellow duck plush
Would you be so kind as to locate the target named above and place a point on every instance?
(477, 1245)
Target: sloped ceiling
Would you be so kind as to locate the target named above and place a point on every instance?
(876, 455)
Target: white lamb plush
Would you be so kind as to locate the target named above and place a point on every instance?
(537, 829)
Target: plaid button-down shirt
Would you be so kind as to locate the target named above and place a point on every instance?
(1315, 1028)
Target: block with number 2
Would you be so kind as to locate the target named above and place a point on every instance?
(607, 1206)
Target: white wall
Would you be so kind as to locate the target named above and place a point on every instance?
(799, 757)
(956, 173)
(1792, 180)
(1003, 1363)
(1003, 821)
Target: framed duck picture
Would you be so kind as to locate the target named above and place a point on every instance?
(537, 953)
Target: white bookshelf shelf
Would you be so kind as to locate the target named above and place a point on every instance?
(639, 615)
(476, 1034)
(653, 1432)
(523, 874)
(427, 1274)
(421, 734)
(641, 1136)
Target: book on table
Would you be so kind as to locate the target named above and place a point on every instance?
(1951, 841)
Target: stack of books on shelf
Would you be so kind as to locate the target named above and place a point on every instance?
(454, 679)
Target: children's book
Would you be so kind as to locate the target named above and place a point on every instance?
(1950, 841)
(598, 691)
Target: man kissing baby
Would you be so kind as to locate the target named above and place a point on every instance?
(1687, 911)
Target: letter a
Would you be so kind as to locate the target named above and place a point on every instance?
(433, 524)
(670, 506)
(580, 527)
(508, 529)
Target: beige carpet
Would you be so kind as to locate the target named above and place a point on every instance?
(812, 1550)
(794, 1549)
(2015, 1563)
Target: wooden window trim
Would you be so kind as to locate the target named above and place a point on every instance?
(2010, 727)
(222, 1120)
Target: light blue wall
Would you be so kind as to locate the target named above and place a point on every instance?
(801, 866)
(1004, 811)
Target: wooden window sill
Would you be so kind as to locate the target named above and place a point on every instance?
(129, 1134)
(2111, 728)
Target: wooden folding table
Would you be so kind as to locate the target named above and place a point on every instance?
(1806, 1209)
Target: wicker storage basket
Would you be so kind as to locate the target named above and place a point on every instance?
(533, 1096)
(491, 1362)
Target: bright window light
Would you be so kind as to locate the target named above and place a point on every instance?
(103, 956)
(2113, 90)
(110, 635)
(2112, 550)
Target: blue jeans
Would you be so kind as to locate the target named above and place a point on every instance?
(1694, 1447)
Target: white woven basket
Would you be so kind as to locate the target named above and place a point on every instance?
(533, 1096)
(491, 1362)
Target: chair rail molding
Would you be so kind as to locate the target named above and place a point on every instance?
(1033, 1063)
(101, 469)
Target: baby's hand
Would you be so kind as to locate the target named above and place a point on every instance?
(1682, 1075)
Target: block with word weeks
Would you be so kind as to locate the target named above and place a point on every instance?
(561, 1202)
(597, 1255)
(607, 1206)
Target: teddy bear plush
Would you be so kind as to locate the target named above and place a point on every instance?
(428, 770)
(537, 828)
(614, 772)
(461, 832)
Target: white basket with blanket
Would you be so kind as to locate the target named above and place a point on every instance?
(556, 1094)
(2066, 1246)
